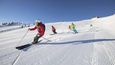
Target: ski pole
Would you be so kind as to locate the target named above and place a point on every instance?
(23, 36)
(16, 59)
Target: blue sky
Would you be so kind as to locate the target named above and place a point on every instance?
(54, 10)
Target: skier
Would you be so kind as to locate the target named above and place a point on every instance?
(41, 30)
(54, 30)
(73, 28)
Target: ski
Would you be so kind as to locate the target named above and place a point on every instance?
(26, 45)
(23, 46)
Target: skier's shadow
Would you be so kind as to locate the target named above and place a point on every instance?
(78, 42)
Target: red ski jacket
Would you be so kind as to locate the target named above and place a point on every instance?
(41, 29)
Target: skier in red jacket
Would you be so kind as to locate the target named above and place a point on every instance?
(41, 30)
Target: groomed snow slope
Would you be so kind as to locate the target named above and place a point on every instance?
(9, 28)
(91, 46)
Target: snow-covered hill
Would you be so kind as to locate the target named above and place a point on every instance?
(9, 28)
(93, 45)
(107, 23)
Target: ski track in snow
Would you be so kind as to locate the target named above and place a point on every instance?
(91, 46)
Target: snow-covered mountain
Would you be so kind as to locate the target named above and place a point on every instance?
(93, 45)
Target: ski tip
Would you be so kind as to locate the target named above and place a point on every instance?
(23, 46)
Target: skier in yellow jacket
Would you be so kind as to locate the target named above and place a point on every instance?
(73, 28)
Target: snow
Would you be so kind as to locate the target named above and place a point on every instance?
(9, 28)
(91, 46)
